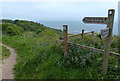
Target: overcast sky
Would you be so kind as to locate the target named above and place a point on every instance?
(44, 11)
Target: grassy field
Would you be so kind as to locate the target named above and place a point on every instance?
(0, 53)
(40, 56)
(35, 53)
(95, 41)
(5, 53)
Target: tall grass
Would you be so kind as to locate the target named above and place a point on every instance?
(95, 41)
(0, 54)
(40, 56)
(5, 52)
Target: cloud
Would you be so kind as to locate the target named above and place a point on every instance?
(55, 10)
(59, 0)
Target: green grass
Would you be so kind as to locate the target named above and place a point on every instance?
(41, 57)
(34, 51)
(5, 52)
(0, 53)
(95, 41)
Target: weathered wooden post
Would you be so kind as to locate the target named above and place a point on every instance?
(119, 50)
(106, 54)
(119, 32)
(93, 33)
(105, 33)
(82, 33)
(65, 42)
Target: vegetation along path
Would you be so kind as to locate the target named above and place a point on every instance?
(8, 64)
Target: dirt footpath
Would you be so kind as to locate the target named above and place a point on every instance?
(8, 64)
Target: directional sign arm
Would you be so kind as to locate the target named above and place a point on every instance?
(95, 20)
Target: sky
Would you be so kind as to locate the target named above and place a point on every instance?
(56, 11)
(59, 0)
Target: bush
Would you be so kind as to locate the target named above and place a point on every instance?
(38, 31)
(11, 29)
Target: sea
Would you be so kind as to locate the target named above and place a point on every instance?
(75, 27)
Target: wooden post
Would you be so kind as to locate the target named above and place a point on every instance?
(82, 32)
(93, 33)
(108, 40)
(119, 33)
(65, 38)
(119, 50)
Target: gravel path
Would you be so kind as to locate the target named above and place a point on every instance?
(8, 64)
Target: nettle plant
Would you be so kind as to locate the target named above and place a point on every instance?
(77, 57)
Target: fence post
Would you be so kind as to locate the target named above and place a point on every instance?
(65, 38)
(93, 33)
(119, 51)
(82, 32)
(108, 41)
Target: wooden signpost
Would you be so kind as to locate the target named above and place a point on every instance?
(104, 33)
(65, 42)
(111, 13)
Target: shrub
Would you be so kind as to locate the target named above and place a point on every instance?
(11, 29)
(38, 31)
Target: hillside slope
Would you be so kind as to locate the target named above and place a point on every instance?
(40, 55)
